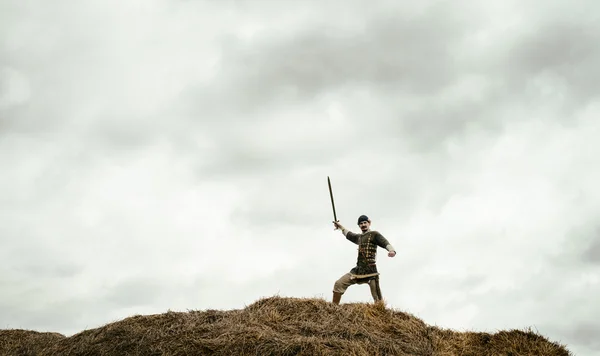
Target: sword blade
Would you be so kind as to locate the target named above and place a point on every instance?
(331, 196)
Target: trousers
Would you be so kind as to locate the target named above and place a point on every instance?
(346, 280)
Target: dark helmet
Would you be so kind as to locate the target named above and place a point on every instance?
(362, 218)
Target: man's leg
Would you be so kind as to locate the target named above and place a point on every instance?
(375, 290)
(340, 287)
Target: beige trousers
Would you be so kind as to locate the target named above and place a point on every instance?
(345, 281)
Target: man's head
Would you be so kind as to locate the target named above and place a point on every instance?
(364, 223)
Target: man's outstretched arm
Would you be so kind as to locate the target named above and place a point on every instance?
(383, 242)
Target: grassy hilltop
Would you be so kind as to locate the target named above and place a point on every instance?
(279, 326)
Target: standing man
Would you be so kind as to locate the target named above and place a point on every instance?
(365, 270)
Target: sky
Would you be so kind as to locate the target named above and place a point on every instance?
(173, 155)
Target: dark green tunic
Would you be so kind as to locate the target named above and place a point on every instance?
(367, 252)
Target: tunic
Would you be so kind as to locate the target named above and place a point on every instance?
(367, 252)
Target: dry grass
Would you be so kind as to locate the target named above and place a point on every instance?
(24, 342)
(279, 326)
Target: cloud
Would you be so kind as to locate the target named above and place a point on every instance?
(586, 334)
(592, 254)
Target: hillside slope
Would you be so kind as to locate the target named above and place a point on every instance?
(279, 326)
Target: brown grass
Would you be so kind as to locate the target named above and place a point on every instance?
(279, 326)
(25, 342)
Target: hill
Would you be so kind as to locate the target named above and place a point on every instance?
(279, 326)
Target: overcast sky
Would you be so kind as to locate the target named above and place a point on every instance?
(162, 155)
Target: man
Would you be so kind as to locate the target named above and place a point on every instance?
(365, 270)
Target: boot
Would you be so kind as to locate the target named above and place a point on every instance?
(337, 297)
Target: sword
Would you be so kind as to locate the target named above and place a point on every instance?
(331, 196)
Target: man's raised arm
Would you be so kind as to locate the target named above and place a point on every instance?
(349, 234)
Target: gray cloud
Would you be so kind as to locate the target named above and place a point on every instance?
(592, 254)
(455, 81)
(386, 57)
(132, 292)
(583, 247)
(585, 334)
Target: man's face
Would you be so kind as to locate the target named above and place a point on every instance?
(364, 226)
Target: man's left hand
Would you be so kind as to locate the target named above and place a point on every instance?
(392, 253)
